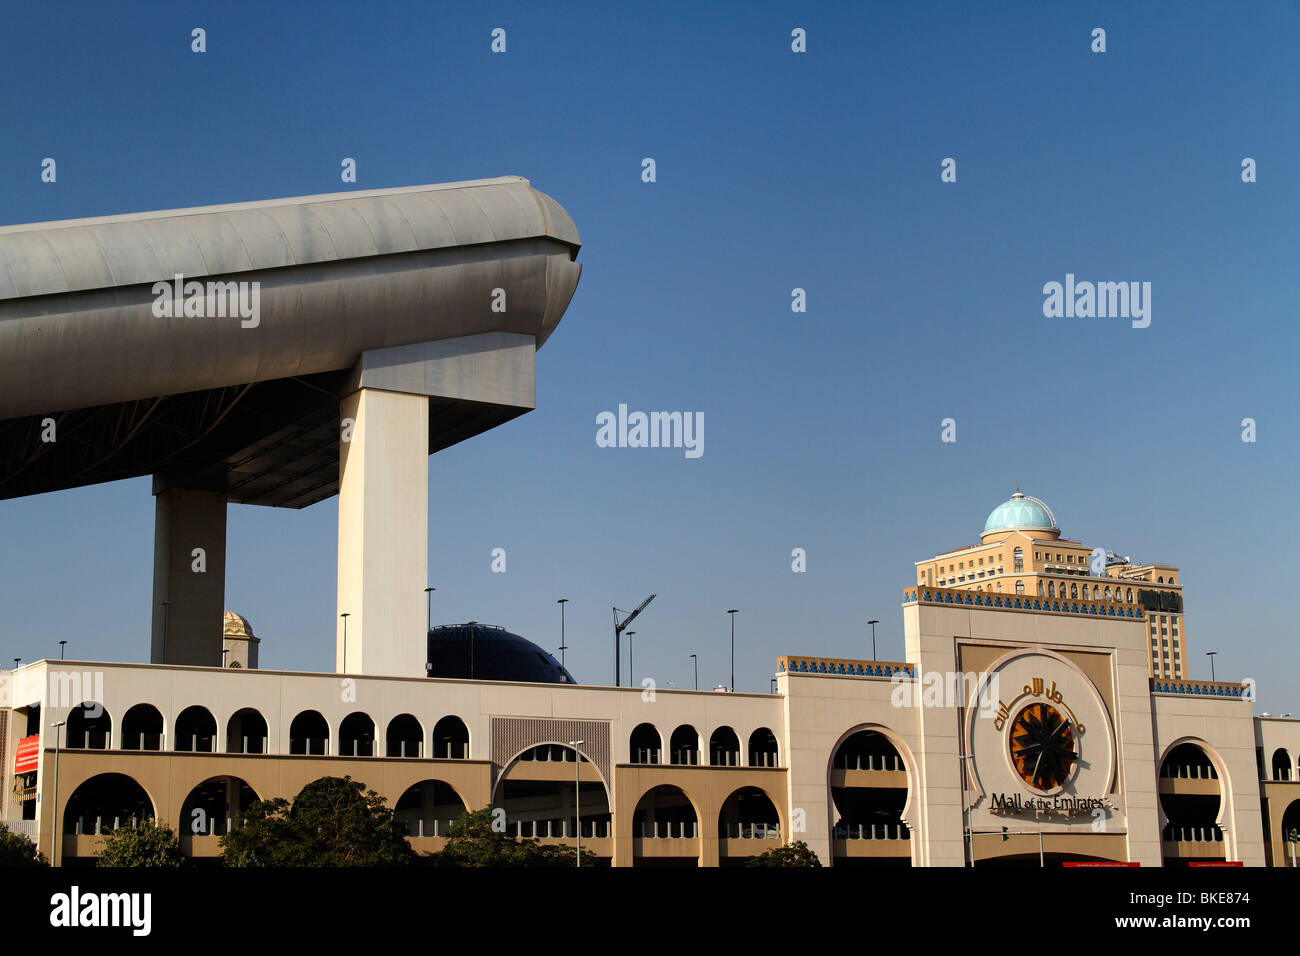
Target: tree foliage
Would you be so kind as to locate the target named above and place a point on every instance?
(148, 844)
(797, 853)
(334, 821)
(474, 840)
(17, 849)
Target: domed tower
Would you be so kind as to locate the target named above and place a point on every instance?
(484, 652)
(1021, 551)
(238, 643)
(1020, 513)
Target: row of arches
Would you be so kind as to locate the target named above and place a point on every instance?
(684, 747)
(109, 801)
(1282, 767)
(90, 727)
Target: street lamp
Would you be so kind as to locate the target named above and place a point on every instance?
(695, 659)
(429, 592)
(1210, 655)
(58, 830)
(345, 615)
(577, 795)
(733, 612)
(471, 625)
(563, 647)
(166, 634)
(630, 679)
(224, 652)
(61, 644)
(873, 638)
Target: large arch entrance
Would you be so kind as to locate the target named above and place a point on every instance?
(98, 805)
(543, 792)
(1191, 803)
(665, 829)
(869, 791)
(428, 808)
(214, 806)
(748, 825)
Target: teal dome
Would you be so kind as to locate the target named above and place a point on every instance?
(1021, 511)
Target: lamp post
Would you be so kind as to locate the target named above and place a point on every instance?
(732, 612)
(1210, 655)
(630, 679)
(166, 632)
(577, 796)
(873, 638)
(61, 645)
(695, 659)
(429, 592)
(345, 615)
(471, 625)
(224, 652)
(563, 647)
(56, 851)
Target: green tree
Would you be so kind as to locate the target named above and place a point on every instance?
(334, 821)
(18, 850)
(472, 840)
(148, 844)
(797, 853)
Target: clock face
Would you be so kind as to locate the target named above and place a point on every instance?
(1043, 747)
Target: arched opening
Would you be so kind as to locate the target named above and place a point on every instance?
(665, 829)
(1128, 595)
(196, 731)
(1020, 587)
(451, 739)
(1290, 822)
(544, 790)
(645, 744)
(1191, 797)
(213, 807)
(724, 748)
(428, 808)
(1074, 591)
(309, 733)
(1051, 589)
(405, 737)
(246, 732)
(869, 788)
(357, 735)
(1281, 764)
(89, 727)
(142, 728)
(763, 749)
(748, 824)
(684, 746)
(105, 802)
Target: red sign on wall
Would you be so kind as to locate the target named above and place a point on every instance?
(1215, 863)
(28, 755)
(1097, 863)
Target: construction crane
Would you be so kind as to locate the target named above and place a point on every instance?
(618, 632)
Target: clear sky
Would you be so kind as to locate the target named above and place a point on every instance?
(775, 171)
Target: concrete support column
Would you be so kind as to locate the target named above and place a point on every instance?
(383, 533)
(189, 576)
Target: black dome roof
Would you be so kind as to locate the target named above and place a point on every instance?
(486, 652)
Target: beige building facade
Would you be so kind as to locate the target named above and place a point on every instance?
(1021, 730)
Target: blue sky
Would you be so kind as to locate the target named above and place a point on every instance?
(775, 170)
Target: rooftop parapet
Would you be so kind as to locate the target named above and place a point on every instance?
(1200, 688)
(841, 667)
(1023, 602)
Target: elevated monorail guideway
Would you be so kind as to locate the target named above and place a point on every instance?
(279, 353)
